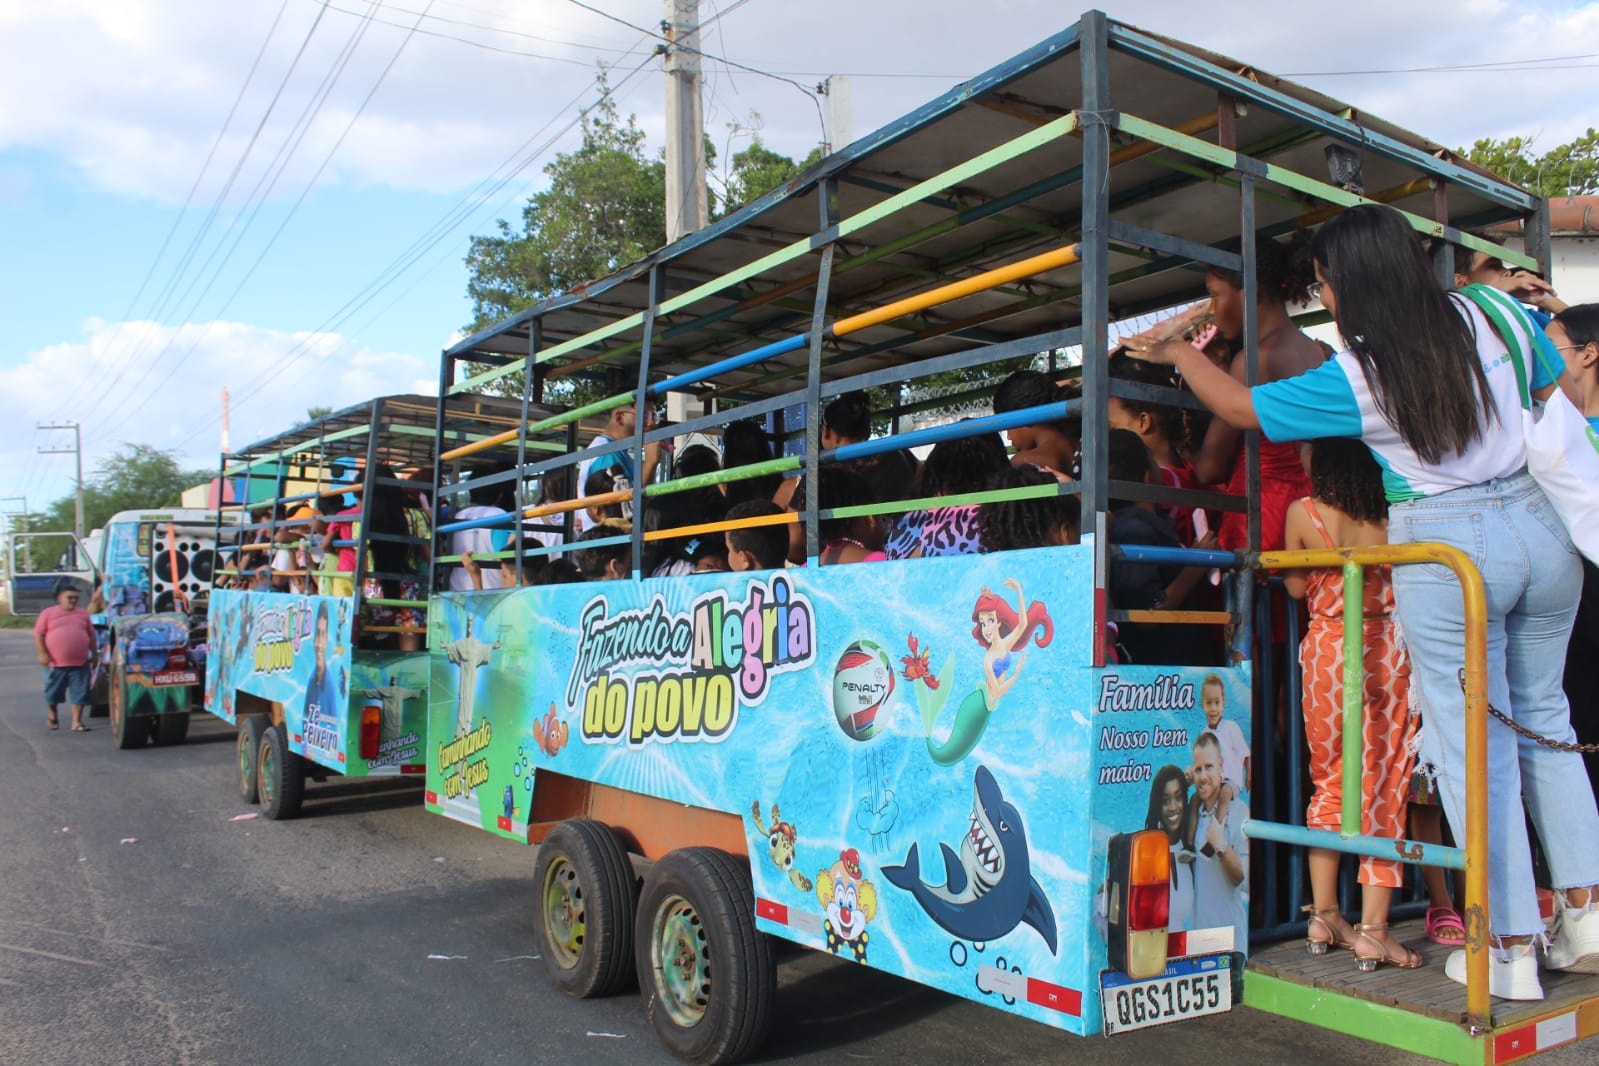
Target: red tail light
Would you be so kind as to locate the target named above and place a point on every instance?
(1138, 902)
(371, 730)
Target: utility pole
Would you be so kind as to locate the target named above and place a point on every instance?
(77, 451)
(840, 120)
(685, 121)
(11, 522)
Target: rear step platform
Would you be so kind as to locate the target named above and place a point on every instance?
(1419, 1011)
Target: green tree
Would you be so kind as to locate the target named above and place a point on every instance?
(314, 413)
(138, 476)
(1570, 169)
(605, 207)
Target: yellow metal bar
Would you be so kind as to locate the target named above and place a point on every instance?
(787, 518)
(1475, 601)
(562, 506)
(1193, 618)
(1022, 268)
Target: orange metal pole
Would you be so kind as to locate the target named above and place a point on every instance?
(1022, 268)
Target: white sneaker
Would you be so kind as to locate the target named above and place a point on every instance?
(1515, 976)
(1576, 941)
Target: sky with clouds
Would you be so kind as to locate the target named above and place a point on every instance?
(275, 196)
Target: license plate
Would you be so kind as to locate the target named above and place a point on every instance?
(1189, 988)
(176, 677)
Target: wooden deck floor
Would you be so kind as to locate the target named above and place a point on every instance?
(1425, 991)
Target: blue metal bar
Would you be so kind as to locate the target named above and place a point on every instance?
(1411, 851)
(1027, 416)
(782, 347)
(1149, 553)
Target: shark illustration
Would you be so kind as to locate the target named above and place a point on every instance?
(988, 886)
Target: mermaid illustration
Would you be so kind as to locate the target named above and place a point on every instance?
(1006, 634)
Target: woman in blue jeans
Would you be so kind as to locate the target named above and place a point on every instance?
(1429, 387)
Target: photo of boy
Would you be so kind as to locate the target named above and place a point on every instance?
(1235, 764)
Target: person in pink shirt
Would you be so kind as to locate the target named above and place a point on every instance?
(64, 637)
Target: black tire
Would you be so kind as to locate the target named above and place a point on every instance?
(585, 896)
(127, 730)
(246, 751)
(170, 728)
(280, 776)
(707, 977)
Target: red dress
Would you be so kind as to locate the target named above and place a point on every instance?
(1282, 481)
(1387, 727)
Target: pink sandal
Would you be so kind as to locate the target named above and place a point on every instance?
(1445, 927)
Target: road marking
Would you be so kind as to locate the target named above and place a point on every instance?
(83, 936)
(48, 955)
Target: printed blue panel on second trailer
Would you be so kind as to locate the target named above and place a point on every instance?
(289, 649)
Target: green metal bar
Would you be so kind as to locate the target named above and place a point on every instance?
(1226, 157)
(978, 164)
(1026, 492)
(343, 434)
(780, 465)
(1218, 179)
(1420, 1034)
(1354, 689)
(415, 605)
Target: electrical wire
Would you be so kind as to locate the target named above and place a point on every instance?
(261, 256)
(518, 162)
(194, 189)
(211, 269)
(211, 215)
(810, 94)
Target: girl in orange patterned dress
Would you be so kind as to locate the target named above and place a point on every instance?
(1348, 509)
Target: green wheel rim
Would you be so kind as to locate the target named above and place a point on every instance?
(246, 756)
(682, 961)
(269, 767)
(565, 916)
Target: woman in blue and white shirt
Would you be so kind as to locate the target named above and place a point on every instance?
(1430, 388)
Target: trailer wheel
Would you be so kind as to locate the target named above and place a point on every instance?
(170, 728)
(246, 750)
(280, 776)
(707, 976)
(128, 731)
(583, 915)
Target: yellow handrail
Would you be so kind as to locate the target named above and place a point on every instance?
(1476, 622)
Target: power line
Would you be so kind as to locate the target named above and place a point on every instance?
(256, 200)
(198, 178)
(309, 185)
(216, 206)
(810, 94)
(430, 239)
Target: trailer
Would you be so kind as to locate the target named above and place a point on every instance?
(933, 767)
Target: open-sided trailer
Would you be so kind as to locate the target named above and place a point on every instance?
(928, 766)
(313, 690)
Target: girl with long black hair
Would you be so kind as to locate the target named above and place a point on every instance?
(1428, 386)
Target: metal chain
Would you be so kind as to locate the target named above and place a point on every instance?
(1537, 738)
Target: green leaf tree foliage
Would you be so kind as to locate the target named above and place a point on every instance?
(1570, 169)
(137, 477)
(314, 413)
(604, 207)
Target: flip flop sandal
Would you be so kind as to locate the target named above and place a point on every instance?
(1444, 926)
(81, 729)
(53, 722)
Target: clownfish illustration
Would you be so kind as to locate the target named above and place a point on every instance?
(781, 840)
(551, 733)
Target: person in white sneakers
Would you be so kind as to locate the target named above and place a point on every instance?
(1430, 388)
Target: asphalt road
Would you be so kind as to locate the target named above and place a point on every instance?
(141, 924)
